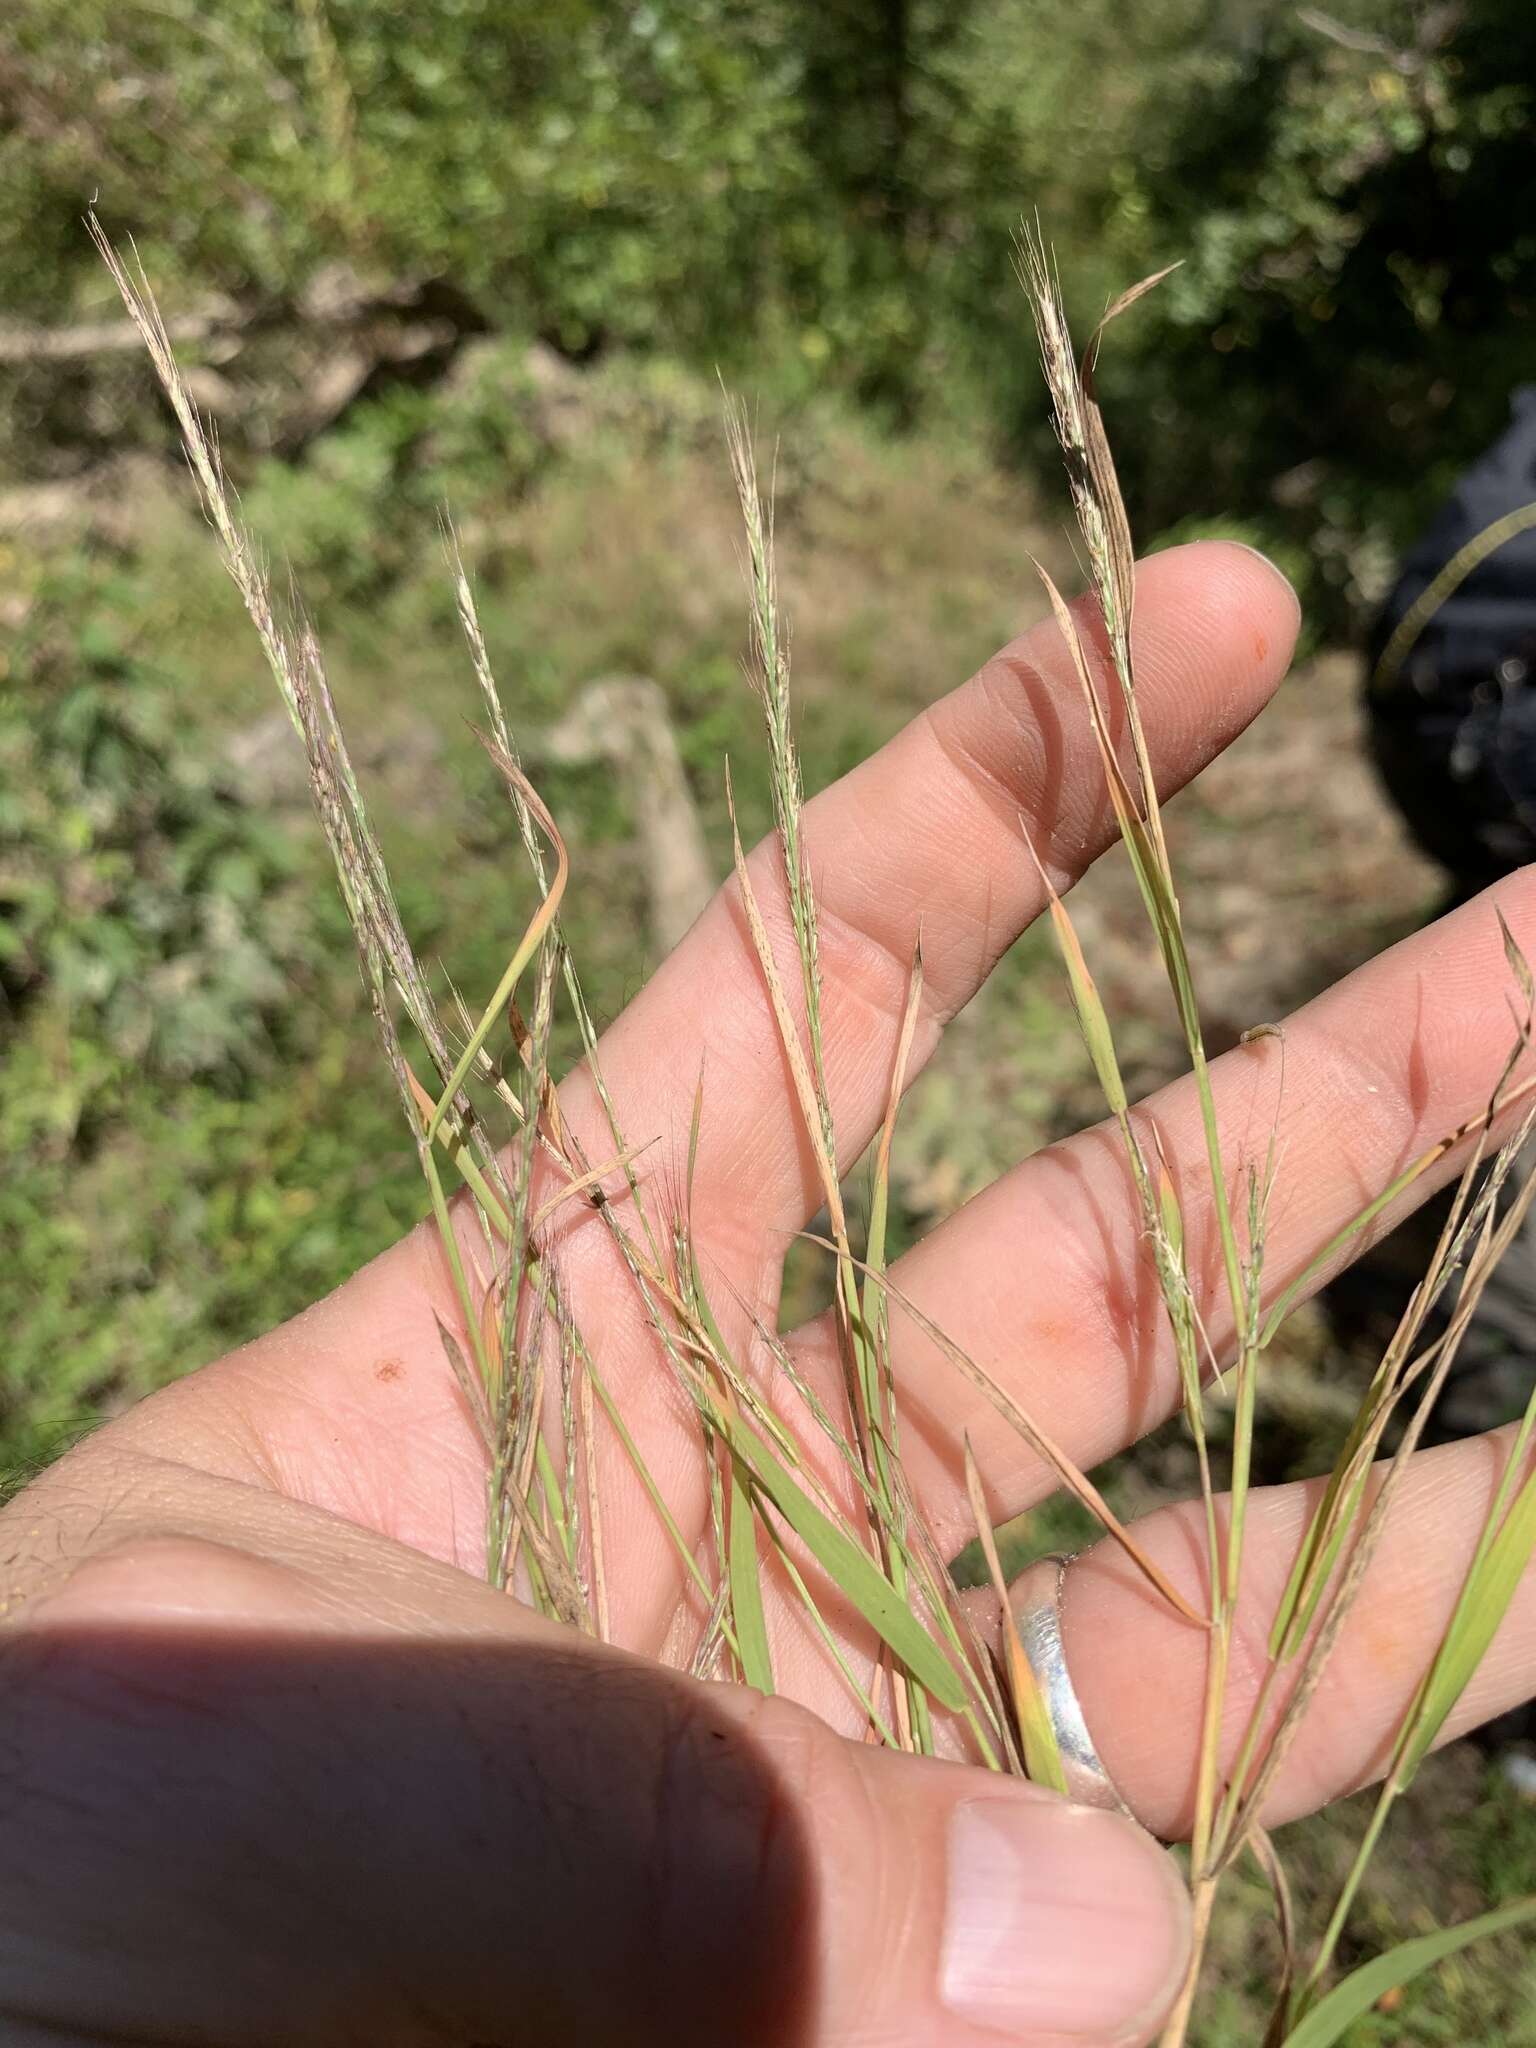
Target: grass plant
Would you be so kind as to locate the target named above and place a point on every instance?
(479, 1098)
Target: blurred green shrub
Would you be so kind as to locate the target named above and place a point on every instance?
(139, 898)
(820, 195)
(355, 510)
(1349, 190)
(150, 936)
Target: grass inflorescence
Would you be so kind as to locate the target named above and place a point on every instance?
(503, 1170)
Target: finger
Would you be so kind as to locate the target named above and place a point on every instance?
(1045, 1281)
(1125, 1650)
(928, 836)
(267, 1781)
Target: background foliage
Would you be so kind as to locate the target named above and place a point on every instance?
(833, 188)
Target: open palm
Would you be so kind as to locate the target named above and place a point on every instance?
(341, 1791)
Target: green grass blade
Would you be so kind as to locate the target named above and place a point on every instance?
(1092, 1018)
(642, 1472)
(747, 1615)
(1314, 1566)
(1330, 2018)
(834, 1648)
(850, 1569)
(1335, 1515)
(1484, 1602)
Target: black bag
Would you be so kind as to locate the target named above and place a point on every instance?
(1452, 699)
(1452, 680)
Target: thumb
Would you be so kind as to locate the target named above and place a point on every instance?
(284, 1794)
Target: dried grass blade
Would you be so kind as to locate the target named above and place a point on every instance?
(1119, 789)
(586, 1184)
(769, 664)
(1037, 1736)
(1318, 1265)
(1126, 300)
(1249, 1798)
(533, 936)
(1050, 1453)
(794, 1052)
(1096, 492)
(679, 1542)
(880, 1203)
(1519, 965)
(1336, 1511)
(469, 1381)
(1267, 1857)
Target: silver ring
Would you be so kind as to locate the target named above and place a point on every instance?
(1036, 1601)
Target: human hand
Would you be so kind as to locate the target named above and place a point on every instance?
(278, 1769)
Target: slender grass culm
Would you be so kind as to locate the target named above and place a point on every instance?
(481, 1106)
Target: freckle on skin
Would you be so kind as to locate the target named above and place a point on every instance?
(389, 1369)
(1382, 1641)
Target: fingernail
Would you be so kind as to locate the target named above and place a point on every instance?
(1060, 1920)
(1274, 569)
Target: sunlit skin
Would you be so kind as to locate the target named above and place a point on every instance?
(274, 1563)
